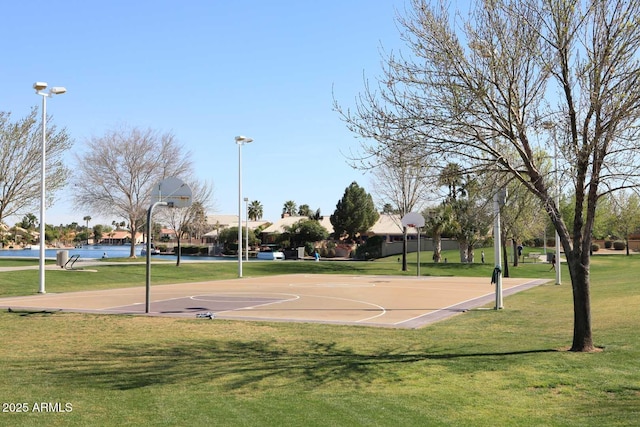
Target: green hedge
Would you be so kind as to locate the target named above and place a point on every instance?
(194, 250)
(619, 245)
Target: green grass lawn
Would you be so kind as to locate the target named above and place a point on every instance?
(482, 368)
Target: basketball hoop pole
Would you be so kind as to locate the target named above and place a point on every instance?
(418, 253)
(415, 220)
(148, 254)
(171, 192)
(418, 230)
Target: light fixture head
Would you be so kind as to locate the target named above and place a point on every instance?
(58, 90)
(243, 140)
(39, 86)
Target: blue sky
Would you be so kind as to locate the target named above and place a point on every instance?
(207, 70)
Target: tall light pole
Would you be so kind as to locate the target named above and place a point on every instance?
(246, 226)
(557, 185)
(40, 87)
(240, 140)
(548, 125)
(499, 199)
(486, 50)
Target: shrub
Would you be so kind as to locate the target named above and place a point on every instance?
(619, 245)
(195, 250)
(309, 249)
(607, 244)
(537, 242)
(595, 247)
(188, 250)
(372, 248)
(230, 249)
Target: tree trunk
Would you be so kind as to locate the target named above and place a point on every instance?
(579, 271)
(463, 250)
(133, 230)
(626, 243)
(516, 258)
(505, 257)
(437, 247)
(179, 253)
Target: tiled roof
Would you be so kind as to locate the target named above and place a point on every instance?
(287, 221)
(387, 224)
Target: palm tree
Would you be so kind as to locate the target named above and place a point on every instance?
(438, 221)
(87, 218)
(255, 210)
(289, 208)
(451, 177)
(304, 210)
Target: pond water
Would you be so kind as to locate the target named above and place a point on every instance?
(94, 252)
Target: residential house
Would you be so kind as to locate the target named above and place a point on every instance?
(120, 237)
(221, 222)
(270, 233)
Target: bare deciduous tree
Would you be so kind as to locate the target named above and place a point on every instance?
(185, 220)
(401, 178)
(116, 173)
(21, 159)
(475, 83)
(624, 215)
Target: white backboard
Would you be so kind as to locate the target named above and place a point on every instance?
(413, 219)
(173, 191)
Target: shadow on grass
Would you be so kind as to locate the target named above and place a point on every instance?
(236, 365)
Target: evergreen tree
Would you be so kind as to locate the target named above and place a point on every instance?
(355, 213)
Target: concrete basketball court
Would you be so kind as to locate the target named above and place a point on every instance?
(383, 301)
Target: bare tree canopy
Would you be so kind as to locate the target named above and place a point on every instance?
(116, 173)
(192, 219)
(480, 85)
(21, 158)
(405, 182)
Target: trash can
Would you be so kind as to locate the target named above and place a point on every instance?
(62, 257)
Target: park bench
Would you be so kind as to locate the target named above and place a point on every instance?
(535, 256)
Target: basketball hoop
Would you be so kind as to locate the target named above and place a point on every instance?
(173, 191)
(413, 219)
